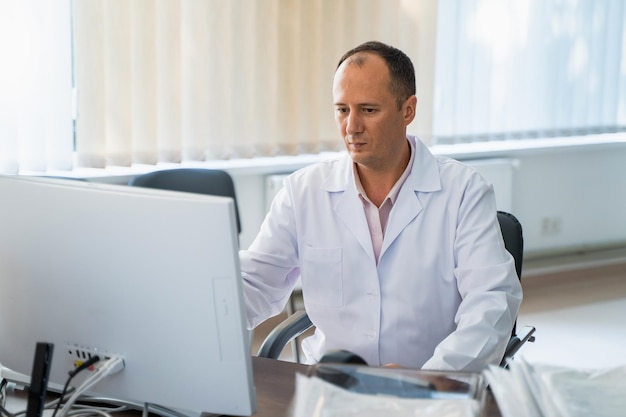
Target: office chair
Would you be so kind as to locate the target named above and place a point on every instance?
(299, 322)
(191, 180)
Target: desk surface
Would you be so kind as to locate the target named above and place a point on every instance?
(275, 383)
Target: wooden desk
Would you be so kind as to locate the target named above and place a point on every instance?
(275, 383)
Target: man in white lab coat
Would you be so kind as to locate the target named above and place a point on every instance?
(399, 252)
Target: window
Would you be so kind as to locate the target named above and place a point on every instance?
(36, 132)
(529, 68)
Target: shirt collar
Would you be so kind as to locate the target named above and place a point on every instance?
(395, 190)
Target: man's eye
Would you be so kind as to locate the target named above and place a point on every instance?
(368, 110)
(341, 110)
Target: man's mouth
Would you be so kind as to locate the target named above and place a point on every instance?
(353, 142)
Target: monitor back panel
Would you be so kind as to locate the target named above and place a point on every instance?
(151, 276)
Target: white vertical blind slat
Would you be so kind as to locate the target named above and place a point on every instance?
(445, 64)
(417, 30)
(59, 128)
(331, 50)
(307, 133)
(195, 85)
(168, 58)
(266, 77)
(36, 131)
(31, 115)
(143, 82)
(612, 70)
(9, 160)
(89, 72)
(117, 82)
(620, 84)
(289, 66)
(220, 73)
(239, 143)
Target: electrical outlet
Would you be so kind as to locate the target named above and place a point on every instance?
(551, 226)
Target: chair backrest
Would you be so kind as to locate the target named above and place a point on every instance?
(191, 180)
(513, 242)
(513, 238)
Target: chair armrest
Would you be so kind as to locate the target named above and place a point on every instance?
(286, 331)
(516, 342)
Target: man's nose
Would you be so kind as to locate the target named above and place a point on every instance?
(353, 123)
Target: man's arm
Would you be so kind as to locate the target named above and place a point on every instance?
(487, 282)
(269, 266)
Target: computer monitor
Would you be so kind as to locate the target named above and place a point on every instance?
(151, 276)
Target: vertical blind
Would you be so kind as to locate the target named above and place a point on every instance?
(529, 68)
(36, 132)
(191, 80)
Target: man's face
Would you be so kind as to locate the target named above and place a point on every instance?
(367, 114)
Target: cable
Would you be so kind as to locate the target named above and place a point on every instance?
(132, 405)
(89, 362)
(69, 409)
(166, 412)
(110, 366)
(3, 387)
(106, 408)
(90, 412)
(3, 411)
(101, 371)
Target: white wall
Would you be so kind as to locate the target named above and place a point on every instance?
(568, 198)
(571, 199)
(569, 195)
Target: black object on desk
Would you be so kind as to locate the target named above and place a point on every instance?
(39, 379)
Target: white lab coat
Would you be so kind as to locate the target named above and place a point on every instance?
(444, 294)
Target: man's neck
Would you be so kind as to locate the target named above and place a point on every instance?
(378, 183)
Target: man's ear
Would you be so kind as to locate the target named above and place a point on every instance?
(408, 109)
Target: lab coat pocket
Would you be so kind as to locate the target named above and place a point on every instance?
(322, 277)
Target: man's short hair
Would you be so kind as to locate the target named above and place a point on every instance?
(401, 68)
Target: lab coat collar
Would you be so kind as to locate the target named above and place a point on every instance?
(347, 204)
(424, 177)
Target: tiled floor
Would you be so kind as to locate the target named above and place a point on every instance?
(580, 315)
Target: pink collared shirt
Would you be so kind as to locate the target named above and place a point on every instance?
(377, 216)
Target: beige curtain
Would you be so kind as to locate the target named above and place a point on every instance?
(193, 80)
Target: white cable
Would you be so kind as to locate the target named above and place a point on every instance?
(106, 409)
(99, 374)
(86, 413)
